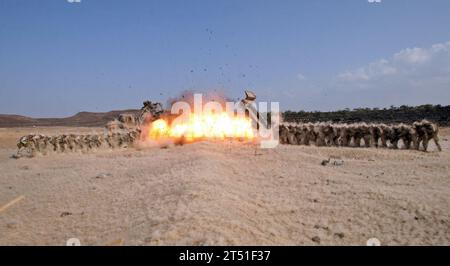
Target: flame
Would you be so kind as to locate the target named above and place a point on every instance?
(203, 126)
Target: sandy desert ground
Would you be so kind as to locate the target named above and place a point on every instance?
(224, 193)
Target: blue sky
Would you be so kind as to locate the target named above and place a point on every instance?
(58, 58)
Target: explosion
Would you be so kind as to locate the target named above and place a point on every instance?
(202, 126)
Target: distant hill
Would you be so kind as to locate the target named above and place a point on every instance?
(81, 119)
(406, 114)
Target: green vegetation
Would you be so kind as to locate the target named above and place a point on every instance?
(406, 114)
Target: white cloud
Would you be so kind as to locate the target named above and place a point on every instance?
(410, 62)
(373, 70)
(412, 76)
(301, 76)
(413, 56)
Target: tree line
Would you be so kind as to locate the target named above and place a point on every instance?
(403, 114)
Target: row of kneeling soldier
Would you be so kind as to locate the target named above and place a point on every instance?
(30, 145)
(354, 135)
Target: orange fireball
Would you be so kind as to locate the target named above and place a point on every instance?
(203, 126)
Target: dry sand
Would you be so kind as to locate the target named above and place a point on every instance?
(222, 193)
